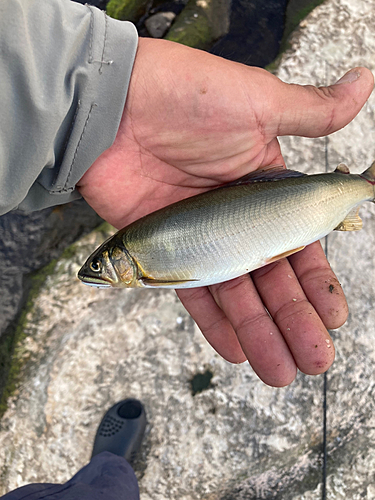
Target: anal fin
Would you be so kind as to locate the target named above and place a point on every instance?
(352, 222)
(284, 254)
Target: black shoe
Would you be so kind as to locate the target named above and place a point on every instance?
(121, 430)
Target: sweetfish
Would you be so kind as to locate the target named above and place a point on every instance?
(232, 230)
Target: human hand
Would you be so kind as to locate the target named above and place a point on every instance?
(193, 121)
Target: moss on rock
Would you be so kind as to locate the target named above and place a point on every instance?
(12, 352)
(201, 23)
(11, 359)
(127, 10)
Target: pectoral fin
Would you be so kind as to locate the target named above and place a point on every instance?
(284, 254)
(152, 282)
(352, 222)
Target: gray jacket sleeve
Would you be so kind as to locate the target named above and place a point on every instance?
(64, 74)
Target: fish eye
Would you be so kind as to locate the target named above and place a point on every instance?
(95, 265)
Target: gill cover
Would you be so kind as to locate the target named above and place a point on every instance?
(124, 266)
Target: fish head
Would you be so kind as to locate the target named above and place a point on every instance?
(109, 266)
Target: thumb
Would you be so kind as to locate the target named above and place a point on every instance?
(314, 112)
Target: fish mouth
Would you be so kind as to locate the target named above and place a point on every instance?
(96, 282)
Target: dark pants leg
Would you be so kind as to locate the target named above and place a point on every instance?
(106, 477)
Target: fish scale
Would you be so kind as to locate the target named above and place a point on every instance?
(229, 231)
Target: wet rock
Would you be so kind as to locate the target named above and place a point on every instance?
(255, 33)
(158, 24)
(201, 23)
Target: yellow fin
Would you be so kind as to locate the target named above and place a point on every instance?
(352, 222)
(160, 282)
(284, 254)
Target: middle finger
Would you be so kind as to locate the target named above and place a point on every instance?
(260, 338)
(301, 326)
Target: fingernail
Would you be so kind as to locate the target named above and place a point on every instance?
(349, 77)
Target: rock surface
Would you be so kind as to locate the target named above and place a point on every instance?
(237, 439)
(158, 24)
(28, 242)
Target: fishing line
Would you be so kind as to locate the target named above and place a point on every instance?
(324, 466)
(324, 451)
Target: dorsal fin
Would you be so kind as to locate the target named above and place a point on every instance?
(266, 174)
(342, 169)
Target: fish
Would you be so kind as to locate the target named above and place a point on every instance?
(231, 230)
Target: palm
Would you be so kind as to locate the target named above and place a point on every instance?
(188, 127)
(170, 147)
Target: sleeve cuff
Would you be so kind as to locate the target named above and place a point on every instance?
(98, 103)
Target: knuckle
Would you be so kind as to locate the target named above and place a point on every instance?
(297, 307)
(328, 116)
(251, 323)
(228, 286)
(192, 295)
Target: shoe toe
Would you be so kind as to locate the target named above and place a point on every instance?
(122, 429)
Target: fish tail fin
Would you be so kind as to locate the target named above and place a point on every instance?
(369, 175)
